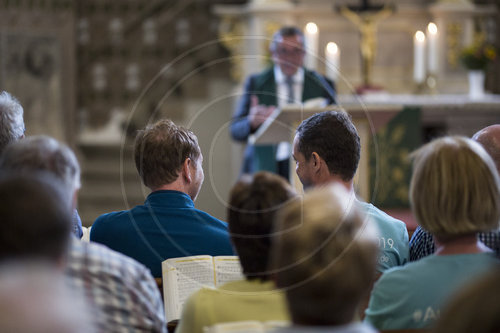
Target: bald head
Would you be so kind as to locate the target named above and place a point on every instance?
(489, 138)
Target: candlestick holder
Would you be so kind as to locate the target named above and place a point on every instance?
(428, 86)
(431, 83)
(420, 88)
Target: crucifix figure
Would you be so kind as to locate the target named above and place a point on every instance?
(366, 17)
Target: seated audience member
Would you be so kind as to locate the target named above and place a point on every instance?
(252, 206)
(454, 194)
(35, 299)
(326, 149)
(325, 259)
(473, 309)
(12, 129)
(422, 242)
(36, 219)
(168, 225)
(11, 120)
(121, 291)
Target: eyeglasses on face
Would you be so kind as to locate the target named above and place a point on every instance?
(290, 52)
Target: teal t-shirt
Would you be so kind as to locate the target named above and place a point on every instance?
(392, 239)
(410, 297)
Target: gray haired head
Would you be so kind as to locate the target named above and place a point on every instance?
(43, 153)
(11, 120)
(285, 32)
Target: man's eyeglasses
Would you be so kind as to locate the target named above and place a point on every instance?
(292, 52)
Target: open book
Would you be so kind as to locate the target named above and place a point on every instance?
(281, 123)
(250, 326)
(183, 276)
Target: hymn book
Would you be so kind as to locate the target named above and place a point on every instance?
(183, 276)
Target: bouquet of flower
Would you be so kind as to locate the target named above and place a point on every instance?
(477, 56)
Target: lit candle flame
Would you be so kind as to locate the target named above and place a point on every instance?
(311, 28)
(420, 36)
(332, 48)
(432, 28)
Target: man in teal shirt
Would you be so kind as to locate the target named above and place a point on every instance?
(169, 161)
(326, 149)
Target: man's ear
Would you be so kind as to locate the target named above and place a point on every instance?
(186, 170)
(316, 161)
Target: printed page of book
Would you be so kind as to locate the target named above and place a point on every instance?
(227, 268)
(181, 278)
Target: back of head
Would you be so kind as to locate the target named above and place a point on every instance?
(35, 299)
(11, 120)
(325, 256)
(473, 309)
(42, 153)
(489, 138)
(36, 218)
(160, 151)
(454, 189)
(253, 203)
(333, 136)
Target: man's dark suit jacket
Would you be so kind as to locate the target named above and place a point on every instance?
(263, 86)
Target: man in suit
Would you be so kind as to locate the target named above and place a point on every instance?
(286, 82)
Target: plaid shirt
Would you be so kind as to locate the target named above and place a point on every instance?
(122, 291)
(422, 243)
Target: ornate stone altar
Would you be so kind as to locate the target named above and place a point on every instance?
(246, 30)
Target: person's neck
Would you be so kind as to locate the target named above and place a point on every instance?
(177, 185)
(459, 245)
(331, 179)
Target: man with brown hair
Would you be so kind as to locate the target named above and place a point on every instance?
(169, 161)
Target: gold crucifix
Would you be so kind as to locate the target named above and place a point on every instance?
(367, 19)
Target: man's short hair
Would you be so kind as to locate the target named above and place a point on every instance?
(253, 203)
(36, 217)
(11, 120)
(160, 151)
(332, 135)
(325, 256)
(455, 189)
(286, 31)
(43, 153)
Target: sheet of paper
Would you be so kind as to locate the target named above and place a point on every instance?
(182, 277)
(227, 268)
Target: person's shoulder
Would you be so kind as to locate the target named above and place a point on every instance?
(109, 218)
(213, 222)
(100, 258)
(263, 77)
(381, 217)
(400, 277)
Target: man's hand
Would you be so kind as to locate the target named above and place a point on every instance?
(258, 112)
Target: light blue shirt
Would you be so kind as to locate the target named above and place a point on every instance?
(392, 239)
(410, 297)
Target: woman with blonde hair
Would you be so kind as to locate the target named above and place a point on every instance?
(454, 194)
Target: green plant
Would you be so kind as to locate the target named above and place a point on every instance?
(478, 55)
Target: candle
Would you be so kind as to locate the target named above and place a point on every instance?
(311, 42)
(332, 55)
(419, 57)
(432, 47)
